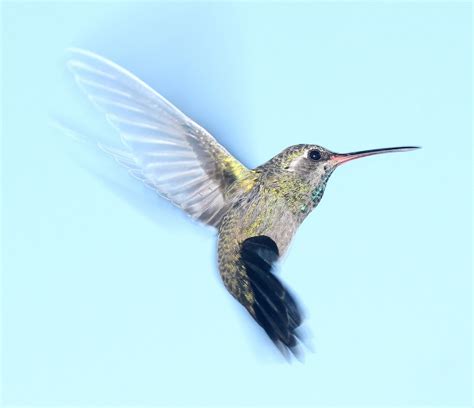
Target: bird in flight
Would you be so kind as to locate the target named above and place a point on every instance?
(256, 212)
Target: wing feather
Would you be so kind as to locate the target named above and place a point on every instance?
(161, 146)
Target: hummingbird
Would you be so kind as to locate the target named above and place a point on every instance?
(256, 212)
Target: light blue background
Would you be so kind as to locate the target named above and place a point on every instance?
(111, 296)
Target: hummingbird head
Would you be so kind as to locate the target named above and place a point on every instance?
(314, 164)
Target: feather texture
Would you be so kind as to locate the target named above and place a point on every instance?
(162, 147)
(274, 308)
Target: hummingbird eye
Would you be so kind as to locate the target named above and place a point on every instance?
(314, 155)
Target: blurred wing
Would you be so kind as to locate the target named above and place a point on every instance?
(271, 305)
(162, 146)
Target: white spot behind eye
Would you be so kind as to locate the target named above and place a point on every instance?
(295, 163)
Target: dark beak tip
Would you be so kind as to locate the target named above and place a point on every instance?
(409, 148)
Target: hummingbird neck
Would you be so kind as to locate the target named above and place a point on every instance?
(301, 191)
(316, 194)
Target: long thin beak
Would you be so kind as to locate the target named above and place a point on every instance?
(340, 158)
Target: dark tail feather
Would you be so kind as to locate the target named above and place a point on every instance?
(275, 308)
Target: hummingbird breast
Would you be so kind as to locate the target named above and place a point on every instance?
(267, 209)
